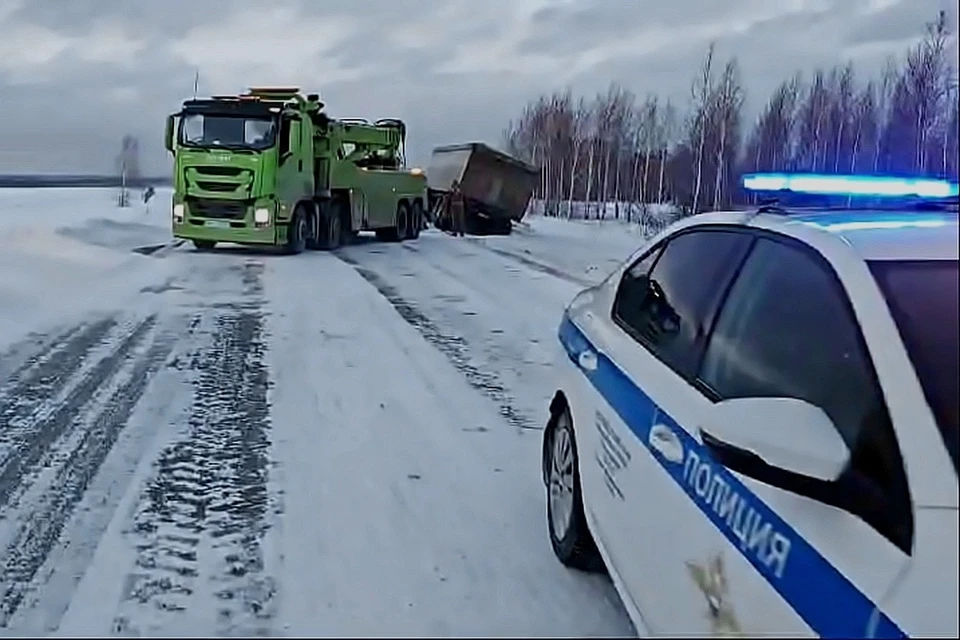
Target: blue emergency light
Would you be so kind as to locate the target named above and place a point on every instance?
(851, 185)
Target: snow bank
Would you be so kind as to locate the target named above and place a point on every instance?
(57, 208)
(64, 252)
(620, 212)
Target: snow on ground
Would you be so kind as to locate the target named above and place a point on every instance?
(234, 443)
(48, 266)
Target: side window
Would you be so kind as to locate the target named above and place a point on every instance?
(633, 285)
(284, 142)
(670, 309)
(787, 330)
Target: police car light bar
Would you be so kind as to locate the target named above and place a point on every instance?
(851, 185)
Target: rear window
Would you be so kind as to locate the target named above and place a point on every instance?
(923, 299)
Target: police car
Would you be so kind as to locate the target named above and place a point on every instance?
(757, 430)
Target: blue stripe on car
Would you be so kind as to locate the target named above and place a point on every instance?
(822, 596)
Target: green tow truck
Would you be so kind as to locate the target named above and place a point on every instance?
(270, 168)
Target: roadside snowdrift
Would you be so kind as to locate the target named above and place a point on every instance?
(64, 252)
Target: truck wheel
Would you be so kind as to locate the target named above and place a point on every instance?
(416, 220)
(297, 232)
(566, 522)
(331, 232)
(314, 239)
(204, 245)
(401, 224)
(503, 227)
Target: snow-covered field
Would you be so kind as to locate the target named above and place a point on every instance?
(236, 443)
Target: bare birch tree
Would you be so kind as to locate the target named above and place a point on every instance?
(728, 102)
(128, 168)
(668, 125)
(592, 151)
(702, 91)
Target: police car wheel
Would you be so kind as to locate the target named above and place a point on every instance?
(569, 535)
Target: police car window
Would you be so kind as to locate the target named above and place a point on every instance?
(633, 285)
(923, 300)
(787, 330)
(669, 311)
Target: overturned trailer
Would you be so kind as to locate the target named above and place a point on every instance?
(497, 187)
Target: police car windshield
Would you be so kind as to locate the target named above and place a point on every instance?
(923, 299)
(227, 131)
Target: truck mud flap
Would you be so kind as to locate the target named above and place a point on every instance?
(158, 250)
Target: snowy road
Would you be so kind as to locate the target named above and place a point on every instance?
(244, 444)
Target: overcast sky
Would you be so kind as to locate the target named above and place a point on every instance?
(76, 75)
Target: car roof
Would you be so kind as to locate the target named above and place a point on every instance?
(873, 234)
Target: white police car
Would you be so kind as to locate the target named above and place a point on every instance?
(758, 427)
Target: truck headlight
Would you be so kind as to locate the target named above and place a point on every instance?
(178, 210)
(261, 216)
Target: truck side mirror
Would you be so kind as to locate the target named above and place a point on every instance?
(168, 135)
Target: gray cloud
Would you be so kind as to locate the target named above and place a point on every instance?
(76, 76)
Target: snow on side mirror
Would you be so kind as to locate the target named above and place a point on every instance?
(785, 433)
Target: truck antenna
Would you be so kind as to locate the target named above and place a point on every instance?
(196, 83)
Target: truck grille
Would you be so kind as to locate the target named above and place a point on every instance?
(219, 187)
(218, 171)
(224, 209)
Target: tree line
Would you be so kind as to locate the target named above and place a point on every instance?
(618, 148)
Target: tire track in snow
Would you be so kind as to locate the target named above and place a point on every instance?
(203, 516)
(21, 356)
(40, 380)
(536, 265)
(45, 428)
(43, 524)
(455, 348)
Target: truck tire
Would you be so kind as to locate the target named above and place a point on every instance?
(204, 245)
(501, 226)
(331, 228)
(315, 226)
(416, 220)
(400, 227)
(297, 232)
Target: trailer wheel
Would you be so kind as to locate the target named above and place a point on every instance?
(502, 227)
(297, 232)
(416, 220)
(204, 245)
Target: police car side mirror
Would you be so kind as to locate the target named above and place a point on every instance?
(756, 436)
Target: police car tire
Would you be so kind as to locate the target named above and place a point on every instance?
(576, 549)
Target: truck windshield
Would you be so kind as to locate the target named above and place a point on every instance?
(923, 300)
(204, 130)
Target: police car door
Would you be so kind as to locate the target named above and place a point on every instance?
(660, 316)
(604, 442)
(772, 551)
